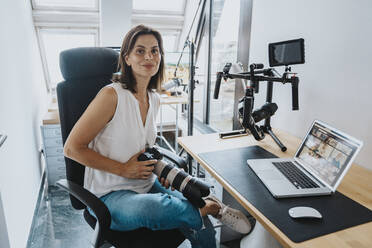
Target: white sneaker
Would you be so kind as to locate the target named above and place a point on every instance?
(233, 218)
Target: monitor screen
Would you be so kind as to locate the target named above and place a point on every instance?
(327, 152)
(287, 52)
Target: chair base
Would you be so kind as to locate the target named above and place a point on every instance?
(138, 238)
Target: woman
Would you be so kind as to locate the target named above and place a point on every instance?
(113, 132)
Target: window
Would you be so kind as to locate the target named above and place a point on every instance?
(200, 73)
(162, 5)
(55, 41)
(171, 60)
(169, 42)
(66, 4)
(60, 25)
(166, 16)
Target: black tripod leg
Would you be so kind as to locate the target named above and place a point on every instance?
(277, 141)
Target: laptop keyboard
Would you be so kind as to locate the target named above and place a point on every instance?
(299, 179)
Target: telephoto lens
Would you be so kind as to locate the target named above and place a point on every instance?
(192, 188)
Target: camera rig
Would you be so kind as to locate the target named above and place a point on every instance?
(249, 118)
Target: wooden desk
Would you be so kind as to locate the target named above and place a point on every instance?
(356, 185)
(51, 117)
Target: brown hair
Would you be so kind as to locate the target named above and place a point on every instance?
(125, 77)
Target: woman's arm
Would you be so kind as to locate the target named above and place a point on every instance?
(99, 112)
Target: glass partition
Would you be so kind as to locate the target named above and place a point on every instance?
(225, 30)
(200, 72)
(171, 59)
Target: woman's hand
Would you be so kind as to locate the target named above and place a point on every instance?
(165, 183)
(138, 169)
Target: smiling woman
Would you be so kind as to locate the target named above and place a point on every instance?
(141, 53)
(145, 57)
(112, 133)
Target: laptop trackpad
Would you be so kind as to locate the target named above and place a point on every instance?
(262, 166)
(271, 175)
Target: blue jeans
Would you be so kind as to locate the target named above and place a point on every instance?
(159, 209)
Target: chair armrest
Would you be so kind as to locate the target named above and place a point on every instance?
(90, 200)
(180, 162)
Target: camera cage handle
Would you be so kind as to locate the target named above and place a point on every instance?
(254, 77)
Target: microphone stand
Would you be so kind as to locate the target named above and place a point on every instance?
(190, 109)
(191, 45)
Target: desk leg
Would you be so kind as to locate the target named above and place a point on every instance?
(259, 237)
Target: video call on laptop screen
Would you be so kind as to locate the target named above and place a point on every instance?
(327, 153)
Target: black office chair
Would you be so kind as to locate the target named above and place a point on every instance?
(86, 71)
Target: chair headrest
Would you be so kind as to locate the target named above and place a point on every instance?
(88, 62)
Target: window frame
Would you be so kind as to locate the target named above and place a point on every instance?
(165, 21)
(171, 32)
(161, 12)
(36, 6)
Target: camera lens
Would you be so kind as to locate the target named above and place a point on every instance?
(192, 188)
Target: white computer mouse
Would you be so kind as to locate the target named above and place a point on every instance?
(304, 212)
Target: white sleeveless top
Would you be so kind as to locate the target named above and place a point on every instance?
(120, 139)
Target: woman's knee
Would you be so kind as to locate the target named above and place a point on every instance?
(157, 203)
(167, 208)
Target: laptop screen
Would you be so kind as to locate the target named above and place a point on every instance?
(327, 152)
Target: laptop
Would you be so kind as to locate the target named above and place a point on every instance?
(320, 163)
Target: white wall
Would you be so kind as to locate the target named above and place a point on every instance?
(335, 84)
(22, 103)
(115, 21)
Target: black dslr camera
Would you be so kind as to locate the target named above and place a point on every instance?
(192, 188)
